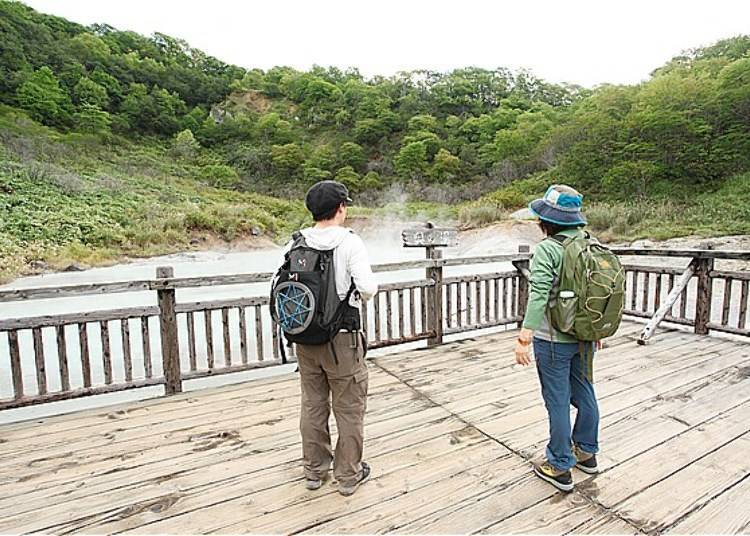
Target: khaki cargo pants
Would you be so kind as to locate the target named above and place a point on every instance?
(321, 379)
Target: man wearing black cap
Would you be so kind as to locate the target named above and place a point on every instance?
(338, 368)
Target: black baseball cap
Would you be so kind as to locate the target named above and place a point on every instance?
(324, 196)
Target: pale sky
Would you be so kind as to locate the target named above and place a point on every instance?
(585, 42)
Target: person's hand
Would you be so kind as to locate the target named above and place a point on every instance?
(599, 345)
(522, 346)
(522, 353)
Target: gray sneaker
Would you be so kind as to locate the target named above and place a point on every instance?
(349, 490)
(313, 484)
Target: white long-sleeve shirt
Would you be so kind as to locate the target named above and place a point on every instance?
(350, 260)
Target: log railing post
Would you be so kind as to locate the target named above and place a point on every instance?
(523, 280)
(170, 350)
(704, 293)
(435, 298)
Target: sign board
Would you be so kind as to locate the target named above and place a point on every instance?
(424, 237)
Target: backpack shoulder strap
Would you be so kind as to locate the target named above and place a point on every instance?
(560, 239)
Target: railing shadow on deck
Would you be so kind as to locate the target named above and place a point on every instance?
(59, 357)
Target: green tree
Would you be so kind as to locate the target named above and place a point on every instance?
(411, 161)
(350, 178)
(92, 119)
(423, 122)
(42, 96)
(287, 158)
(629, 179)
(184, 144)
(220, 176)
(108, 82)
(323, 158)
(371, 181)
(351, 154)
(87, 91)
(89, 49)
(445, 166)
(314, 174)
(430, 140)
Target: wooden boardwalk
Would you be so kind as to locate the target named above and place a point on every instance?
(450, 433)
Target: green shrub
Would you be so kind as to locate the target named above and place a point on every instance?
(220, 176)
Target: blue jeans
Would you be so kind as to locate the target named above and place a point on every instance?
(564, 383)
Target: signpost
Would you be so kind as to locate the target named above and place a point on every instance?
(430, 238)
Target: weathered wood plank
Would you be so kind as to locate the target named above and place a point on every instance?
(720, 515)
(388, 316)
(83, 343)
(683, 301)
(220, 304)
(41, 369)
(497, 283)
(376, 315)
(168, 333)
(75, 318)
(39, 293)
(106, 352)
(478, 301)
(277, 341)
(412, 312)
(126, 350)
(400, 313)
(62, 358)
(227, 340)
(192, 351)
(15, 364)
(459, 305)
(489, 276)
(243, 334)
(727, 302)
(742, 317)
(209, 331)
(146, 344)
(657, 291)
(679, 291)
(448, 291)
(258, 333)
(77, 393)
(486, 286)
(691, 253)
(666, 501)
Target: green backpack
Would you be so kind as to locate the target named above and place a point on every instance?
(590, 292)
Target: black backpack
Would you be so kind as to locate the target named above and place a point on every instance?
(304, 300)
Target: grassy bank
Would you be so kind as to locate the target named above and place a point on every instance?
(72, 198)
(723, 211)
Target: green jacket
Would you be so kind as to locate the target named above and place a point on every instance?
(545, 270)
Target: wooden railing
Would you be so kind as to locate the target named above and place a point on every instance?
(688, 296)
(56, 357)
(59, 357)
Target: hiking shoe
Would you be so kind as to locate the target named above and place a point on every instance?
(313, 484)
(585, 461)
(562, 480)
(349, 490)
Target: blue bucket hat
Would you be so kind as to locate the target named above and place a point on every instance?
(560, 205)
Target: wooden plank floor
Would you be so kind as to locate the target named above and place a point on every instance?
(450, 434)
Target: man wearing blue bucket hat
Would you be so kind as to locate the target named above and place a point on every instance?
(559, 355)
